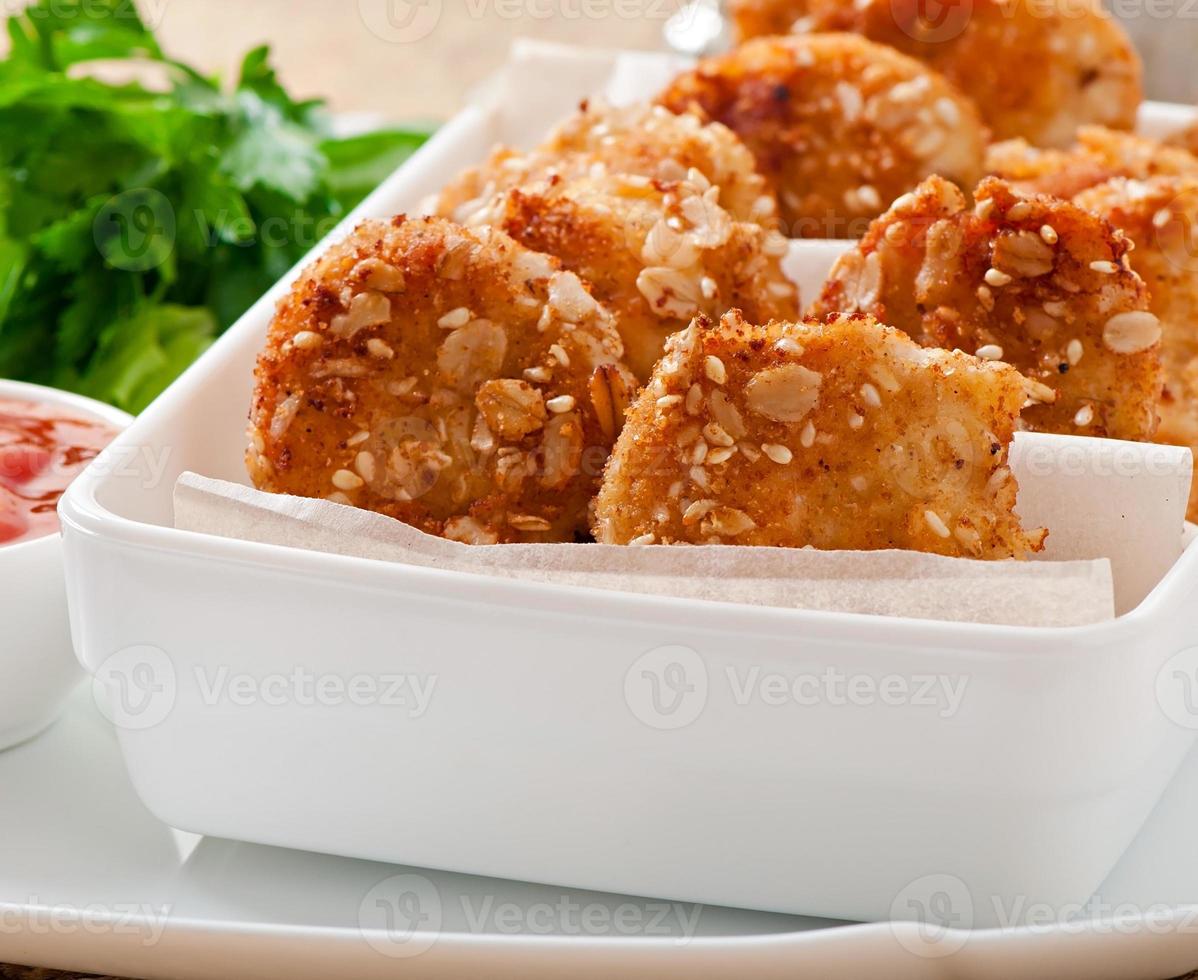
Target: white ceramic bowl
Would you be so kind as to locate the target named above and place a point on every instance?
(38, 669)
(545, 754)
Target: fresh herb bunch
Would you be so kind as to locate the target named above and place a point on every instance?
(138, 222)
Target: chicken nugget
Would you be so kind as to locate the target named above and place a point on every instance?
(1160, 215)
(447, 377)
(1187, 139)
(841, 126)
(647, 141)
(1097, 155)
(841, 434)
(1036, 68)
(656, 252)
(1039, 283)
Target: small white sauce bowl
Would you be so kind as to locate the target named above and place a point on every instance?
(38, 669)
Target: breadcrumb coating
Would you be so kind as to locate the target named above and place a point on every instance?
(1035, 68)
(1039, 283)
(656, 252)
(447, 377)
(1096, 156)
(1160, 215)
(1187, 139)
(841, 126)
(643, 140)
(840, 434)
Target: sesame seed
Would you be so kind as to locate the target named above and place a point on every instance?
(644, 539)
(776, 244)
(694, 399)
(935, 523)
(968, 537)
(807, 436)
(307, 340)
(357, 438)
(540, 374)
(708, 287)
(379, 348)
(559, 354)
(983, 208)
(789, 345)
(715, 433)
(1073, 351)
(717, 456)
(997, 278)
(856, 421)
(699, 454)
(1049, 234)
(989, 352)
(347, 480)
(696, 510)
(337, 497)
(560, 404)
(779, 454)
(1131, 332)
(869, 197)
(527, 522)
(1162, 218)
(1107, 268)
(714, 368)
(859, 483)
(1084, 416)
(870, 396)
(985, 297)
(455, 318)
(997, 479)
(364, 464)
(698, 476)
(1019, 211)
(665, 401)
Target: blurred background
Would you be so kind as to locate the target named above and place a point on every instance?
(411, 61)
(415, 60)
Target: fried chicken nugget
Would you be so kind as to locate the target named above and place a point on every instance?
(841, 126)
(1036, 68)
(648, 141)
(1039, 283)
(656, 252)
(1187, 139)
(447, 377)
(1097, 155)
(1160, 215)
(841, 434)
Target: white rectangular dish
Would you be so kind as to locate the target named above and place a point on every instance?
(119, 893)
(818, 763)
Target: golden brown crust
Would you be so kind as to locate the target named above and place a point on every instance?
(657, 252)
(1097, 155)
(842, 434)
(841, 126)
(1036, 282)
(446, 377)
(1036, 68)
(647, 141)
(1160, 215)
(1187, 139)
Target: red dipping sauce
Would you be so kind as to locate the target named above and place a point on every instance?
(42, 449)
